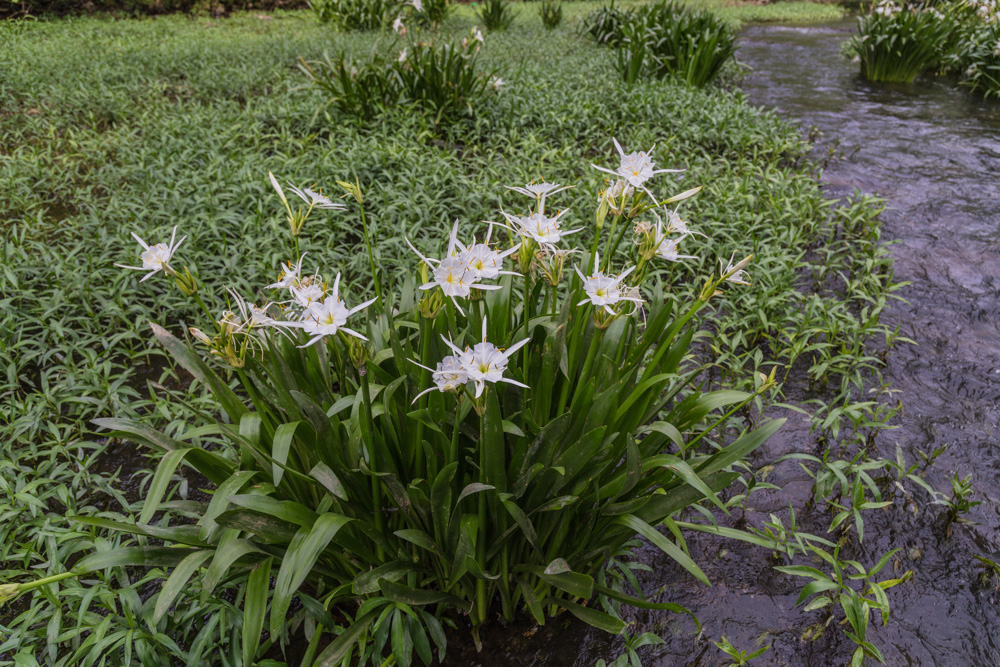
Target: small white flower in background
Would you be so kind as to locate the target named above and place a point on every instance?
(496, 82)
(402, 56)
(316, 200)
(996, 49)
(289, 276)
(477, 35)
(252, 315)
(667, 249)
(417, 4)
(605, 291)
(636, 168)
(674, 225)
(398, 27)
(539, 191)
(449, 376)
(328, 317)
(485, 362)
(155, 258)
(734, 273)
(539, 227)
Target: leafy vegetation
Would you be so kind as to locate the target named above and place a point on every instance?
(667, 39)
(551, 13)
(177, 121)
(898, 42)
(496, 15)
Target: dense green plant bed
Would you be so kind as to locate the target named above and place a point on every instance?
(177, 121)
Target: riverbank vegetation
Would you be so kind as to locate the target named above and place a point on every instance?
(177, 121)
(899, 42)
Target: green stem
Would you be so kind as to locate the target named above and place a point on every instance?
(425, 353)
(204, 309)
(481, 601)
(371, 258)
(372, 458)
(611, 253)
(595, 342)
(295, 240)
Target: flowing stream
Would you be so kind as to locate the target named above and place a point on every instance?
(932, 151)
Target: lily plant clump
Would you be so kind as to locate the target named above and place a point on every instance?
(484, 439)
(439, 76)
(898, 41)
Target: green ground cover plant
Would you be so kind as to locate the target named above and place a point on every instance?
(178, 120)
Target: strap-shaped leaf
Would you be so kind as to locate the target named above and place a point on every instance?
(132, 556)
(576, 584)
(598, 619)
(255, 609)
(739, 449)
(325, 475)
(175, 584)
(415, 596)
(646, 604)
(176, 534)
(657, 538)
(281, 446)
(300, 557)
(367, 583)
(220, 500)
(194, 364)
(164, 471)
(338, 648)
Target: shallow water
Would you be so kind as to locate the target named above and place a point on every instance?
(932, 151)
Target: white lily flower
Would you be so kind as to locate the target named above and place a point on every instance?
(316, 200)
(398, 27)
(308, 293)
(455, 276)
(636, 168)
(540, 228)
(402, 56)
(605, 291)
(290, 276)
(484, 262)
(665, 247)
(477, 35)
(328, 317)
(417, 4)
(157, 257)
(449, 376)
(496, 82)
(252, 315)
(674, 225)
(485, 362)
(734, 273)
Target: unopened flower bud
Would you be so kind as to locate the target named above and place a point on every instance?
(186, 283)
(200, 335)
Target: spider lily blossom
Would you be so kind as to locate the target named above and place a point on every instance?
(316, 200)
(327, 317)
(539, 191)
(449, 376)
(291, 276)
(155, 258)
(398, 27)
(485, 362)
(539, 227)
(605, 291)
(663, 246)
(735, 273)
(674, 225)
(636, 168)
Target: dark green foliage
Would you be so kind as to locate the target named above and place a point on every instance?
(434, 12)
(361, 15)
(898, 47)
(496, 15)
(551, 13)
(605, 24)
(18, 8)
(442, 78)
(981, 61)
(665, 39)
